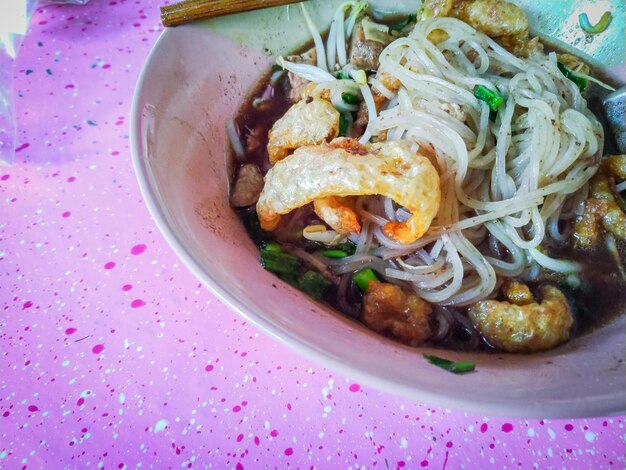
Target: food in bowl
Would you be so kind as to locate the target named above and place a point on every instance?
(440, 179)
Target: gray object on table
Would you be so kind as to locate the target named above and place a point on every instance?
(615, 112)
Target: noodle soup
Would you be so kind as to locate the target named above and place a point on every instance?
(343, 151)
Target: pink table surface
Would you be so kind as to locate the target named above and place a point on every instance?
(114, 356)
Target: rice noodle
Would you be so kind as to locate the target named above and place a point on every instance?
(509, 179)
(506, 183)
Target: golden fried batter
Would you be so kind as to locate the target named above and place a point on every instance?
(346, 168)
(389, 309)
(524, 328)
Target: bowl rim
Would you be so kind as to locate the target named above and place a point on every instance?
(608, 405)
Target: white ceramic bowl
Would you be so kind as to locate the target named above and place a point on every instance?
(194, 80)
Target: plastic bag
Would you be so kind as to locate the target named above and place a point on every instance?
(14, 18)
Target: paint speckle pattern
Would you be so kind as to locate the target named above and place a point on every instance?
(113, 356)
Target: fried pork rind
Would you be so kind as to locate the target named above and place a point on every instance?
(604, 208)
(308, 122)
(503, 21)
(338, 213)
(403, 315)
(346, 168)
(538, 326)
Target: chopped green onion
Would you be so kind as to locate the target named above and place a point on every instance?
(350, 98)
(363, 278)
(271, 247)
(340, 251)
(455, 367)
(274, 259)
(493, 99)
(343, 76)
(313, 284)
(580, 82)
(403, 24)
(277, 68)
(343, 125)
(600, 26)
(334, 253)
(425, 13)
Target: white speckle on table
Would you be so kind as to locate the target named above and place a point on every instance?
(161, 425)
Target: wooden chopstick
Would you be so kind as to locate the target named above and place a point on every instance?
(190, 10)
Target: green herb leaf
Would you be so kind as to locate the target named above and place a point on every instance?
(343, 76)
(274, 259)
(350, 98)
(403, 24)
(455, 367)
(272, 247)
(425, 13)
(600, 26)
(493, 99)
(339, 251)
(363, 278)
(334, 253)
(580, 82)
(343, 125)
(314, 284)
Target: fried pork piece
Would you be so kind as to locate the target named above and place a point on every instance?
(538, 326)
(517, 293)
(615, 165)
(339, 213)
(432, 8)
(614, 219)
(495, 18)
(364, 52)
(391, 310)
(392, 84)
(503, 21)
(298, 84)
(248, 186)
(586, 231)
(602, 208)
(308, 122)
(522, 45)
(346, 168)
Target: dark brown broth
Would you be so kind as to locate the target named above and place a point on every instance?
(258, 120)
(602, 295)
